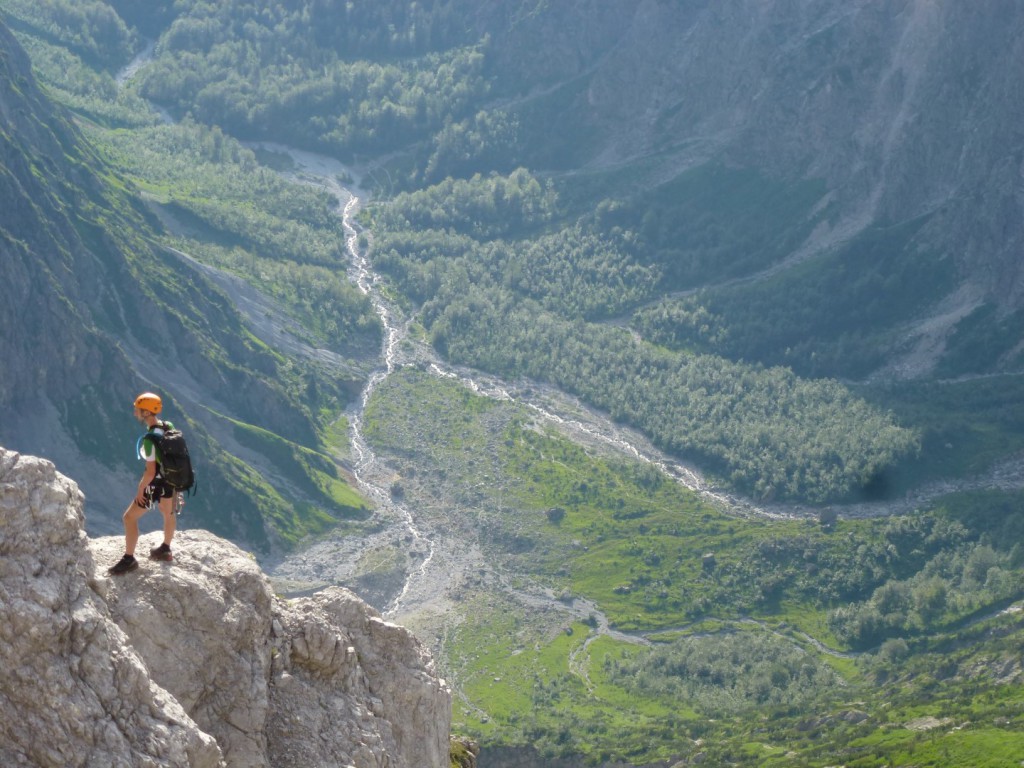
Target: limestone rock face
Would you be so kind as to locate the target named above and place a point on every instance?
(73, 691)
(193, 662)
(904, 109)
(335, 689)
(201, 624)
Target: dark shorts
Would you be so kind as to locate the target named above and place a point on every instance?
(158, 489)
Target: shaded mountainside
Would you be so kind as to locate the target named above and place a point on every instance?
(50, 274)
(904, 108)
(875, 146)
(907, 114)
(92, 312)
(194, 662)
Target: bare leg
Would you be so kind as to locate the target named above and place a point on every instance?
(131, 526)
(170, 519)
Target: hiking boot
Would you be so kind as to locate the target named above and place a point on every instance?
(163, 552)
(126, 564)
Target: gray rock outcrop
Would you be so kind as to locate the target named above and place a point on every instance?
(194, 662)
(73, 692)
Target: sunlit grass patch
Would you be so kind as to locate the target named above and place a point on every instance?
(529, 682)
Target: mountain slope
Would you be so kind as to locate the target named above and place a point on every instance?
(906, 111)
(879, 118)
(900, 114)
(39, 231)
(93, 312)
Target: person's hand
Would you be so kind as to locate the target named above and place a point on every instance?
(142, 501)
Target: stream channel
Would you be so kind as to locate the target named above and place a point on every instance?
(435, 561)
(333, 559)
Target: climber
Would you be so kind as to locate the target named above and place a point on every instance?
(152, 488)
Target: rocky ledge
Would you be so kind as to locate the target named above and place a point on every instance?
(193, 662)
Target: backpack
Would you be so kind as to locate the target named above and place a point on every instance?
(175, 464)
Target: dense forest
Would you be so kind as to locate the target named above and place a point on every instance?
(357, 92)
(502, 293)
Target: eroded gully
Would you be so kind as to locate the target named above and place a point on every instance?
(428, 576)
(436, 565)
(434, 561)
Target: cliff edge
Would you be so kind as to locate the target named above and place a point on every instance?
(194, 662)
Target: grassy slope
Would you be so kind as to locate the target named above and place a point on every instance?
(632, 542)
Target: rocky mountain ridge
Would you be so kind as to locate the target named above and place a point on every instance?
(904, 109)
(194, 662)
(906, 114)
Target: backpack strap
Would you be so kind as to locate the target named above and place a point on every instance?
(162, 425)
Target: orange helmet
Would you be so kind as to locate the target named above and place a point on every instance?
(147, 401)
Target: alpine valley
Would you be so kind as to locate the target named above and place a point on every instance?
(658, 363)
